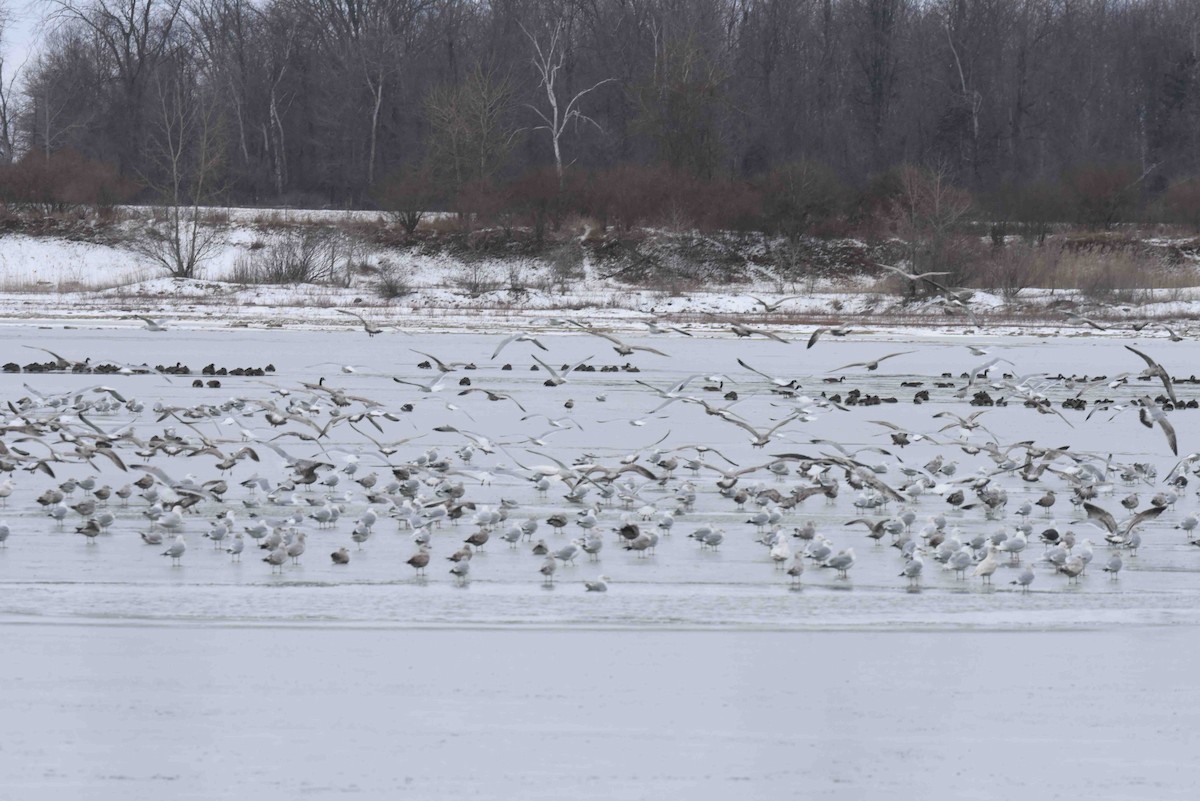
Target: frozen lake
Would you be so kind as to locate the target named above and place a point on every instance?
(204, 680)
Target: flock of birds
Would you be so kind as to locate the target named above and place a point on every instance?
(105, 463)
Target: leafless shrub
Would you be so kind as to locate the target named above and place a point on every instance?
(1014, 267)
(307, 255)
(566, 265)
(474, 279)
(393, 280)
(518, 284)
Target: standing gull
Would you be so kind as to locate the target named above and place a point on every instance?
(175, 549)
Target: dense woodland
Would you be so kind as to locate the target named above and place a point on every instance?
(797, 114)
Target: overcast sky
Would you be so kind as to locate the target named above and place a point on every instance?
(21, 35)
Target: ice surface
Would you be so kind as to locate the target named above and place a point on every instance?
(699, 672)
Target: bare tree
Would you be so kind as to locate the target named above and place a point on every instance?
(187, 155)
(134, 35)
(548, 61)
(471, 131)
(928, 211)
(370, 39)
(10, 98)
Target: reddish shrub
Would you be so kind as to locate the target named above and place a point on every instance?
(61, 181)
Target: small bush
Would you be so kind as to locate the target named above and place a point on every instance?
(474, 279)
(1103, 195)
(393, 280)
(62, 181)
(408, 196)
(1008, 269)
(308, 255)
(1182, 203)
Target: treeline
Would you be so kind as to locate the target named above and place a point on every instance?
(718, 110)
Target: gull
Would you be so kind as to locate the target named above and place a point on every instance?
(1085, 320)
(599, 584)
(345, 368)
(276, 558)
(1103, 519)
(428, 389)
(746, 331)
(837, 331)
(1072, 568)
(152, 325)
(915, 277)
(370, 329)
(988, 566)
(1156, 370)
(1114, 565)
(1014, 545)
(912, 569)
(761, 438)
(340, 557)
(622, 348)
(521, 337)
(791, 383)
(796, 569)
(4, 535)
(493, 395)
(901, 436)
(655, 328)
(1025, 578)
(460, 570)
(549, 565)
(296, 548)
(419, 560)
(90, 529)
(1170, 334)
(175, 549)
(1150, 413)
(567, 553)
(781, 552)
(774, 305)
(442, 366)
(874, 364)
(959, 561)
(555, 379)
(236, 547)
(842, 561)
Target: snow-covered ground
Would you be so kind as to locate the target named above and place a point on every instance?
(48, 277)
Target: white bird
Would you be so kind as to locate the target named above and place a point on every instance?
(152, 325)
(549, 565)
(296, 548)
(600, 584)
(1072, 568)
(912, 569)
(988, 566)
(1014, 545)
(841, 561)
(1114, 565)
(236, 547)
(781, 551)
(1025, 578)
(460, 570)
(175, 549)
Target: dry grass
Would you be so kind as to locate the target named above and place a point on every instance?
(1117, 276)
